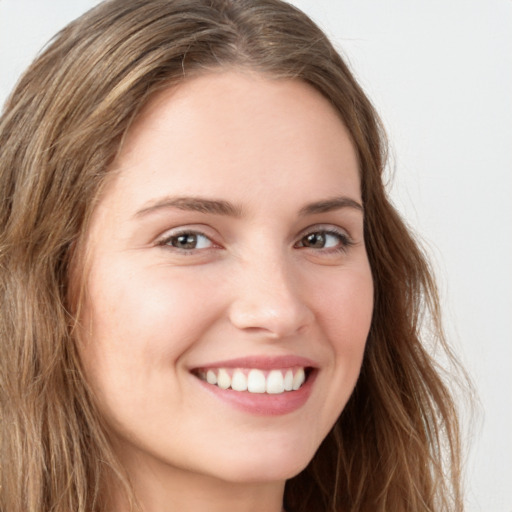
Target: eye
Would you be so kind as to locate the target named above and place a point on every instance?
(187, 241)
(325, 239)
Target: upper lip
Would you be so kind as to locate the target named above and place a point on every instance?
(262, 362)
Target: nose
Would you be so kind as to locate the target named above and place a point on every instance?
(269, 299)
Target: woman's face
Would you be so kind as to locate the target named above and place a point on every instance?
(228, 247)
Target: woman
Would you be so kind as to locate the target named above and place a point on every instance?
(209, 301)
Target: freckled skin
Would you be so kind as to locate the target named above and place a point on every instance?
(250, 287)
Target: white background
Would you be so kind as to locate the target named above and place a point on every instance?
(440, 73)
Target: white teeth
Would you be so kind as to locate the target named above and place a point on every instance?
(239, 381)
(272, 382)
(256, 382)
(299, 379)
(223, 379)
(275, 382)
(211, 378)
(288, 381)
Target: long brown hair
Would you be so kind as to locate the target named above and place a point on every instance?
(395, 446)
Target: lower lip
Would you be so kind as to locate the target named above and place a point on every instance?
(264, 404)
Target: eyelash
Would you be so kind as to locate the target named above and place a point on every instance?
(167, 241)
(344, 241)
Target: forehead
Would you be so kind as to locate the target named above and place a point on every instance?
(224, 130)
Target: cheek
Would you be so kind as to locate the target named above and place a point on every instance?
(135, 322)
(343, 309)
(347, 308)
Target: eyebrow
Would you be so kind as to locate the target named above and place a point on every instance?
(334, 203)
(195, 204)
(222, 207)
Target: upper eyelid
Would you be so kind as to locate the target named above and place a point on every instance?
(346, 240)
(182, 230)
(332, 228)
(344, 237)
(164, 243)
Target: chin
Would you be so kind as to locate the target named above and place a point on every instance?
(267, 465)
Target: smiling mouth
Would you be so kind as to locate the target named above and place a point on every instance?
(254, 380)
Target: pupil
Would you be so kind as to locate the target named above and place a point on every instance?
(315, 240)
(187, 241)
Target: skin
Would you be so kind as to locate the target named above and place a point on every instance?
(254, 285)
